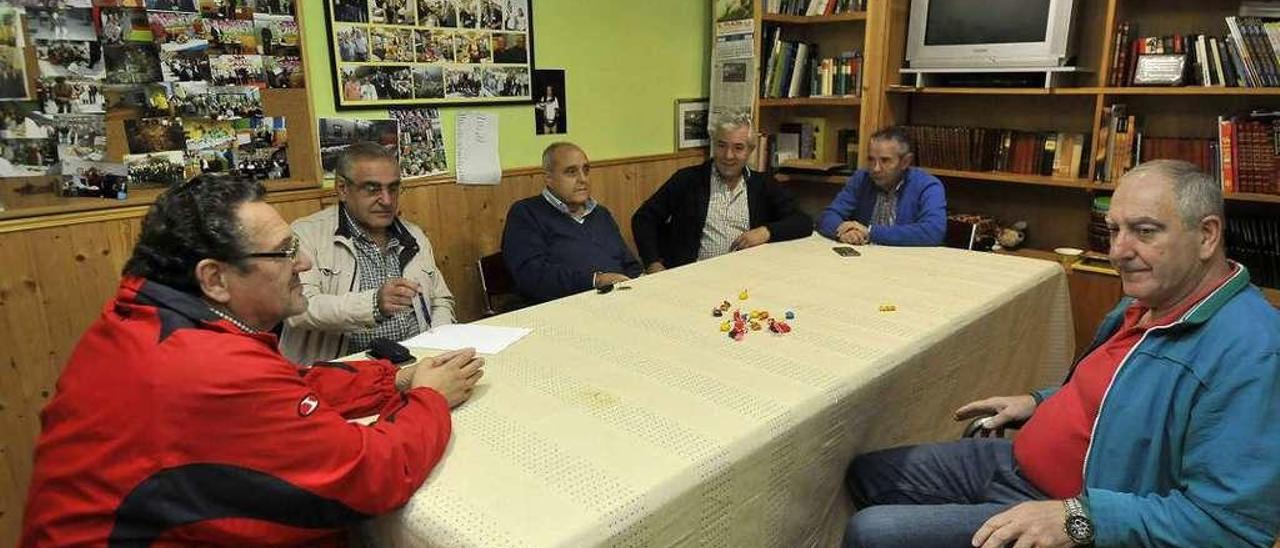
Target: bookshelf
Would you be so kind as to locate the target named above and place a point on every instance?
(847, 110)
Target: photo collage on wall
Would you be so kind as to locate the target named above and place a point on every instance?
(407, 52)
(189, 75)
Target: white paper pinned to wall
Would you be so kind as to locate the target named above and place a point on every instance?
(477, 138)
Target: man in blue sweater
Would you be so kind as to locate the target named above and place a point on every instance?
(893, 203)
(562, 241)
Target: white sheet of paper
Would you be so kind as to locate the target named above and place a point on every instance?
(486, 339)
(477, 139)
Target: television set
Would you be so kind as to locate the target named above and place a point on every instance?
(990, 34)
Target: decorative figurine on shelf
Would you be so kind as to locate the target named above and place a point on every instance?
(1012, 236)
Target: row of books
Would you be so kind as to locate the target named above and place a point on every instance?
(1255, 243)
(794, 69)
(813, 7)
(1247, 148)
(984, 149)
(1245, 57)
(803, 142)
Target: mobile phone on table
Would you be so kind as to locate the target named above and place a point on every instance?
(846, 251)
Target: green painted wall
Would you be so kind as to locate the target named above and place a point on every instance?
(625, 64)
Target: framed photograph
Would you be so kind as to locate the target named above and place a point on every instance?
(691, 123)
(430, 52)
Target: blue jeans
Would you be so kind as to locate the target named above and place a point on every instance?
(934, 495)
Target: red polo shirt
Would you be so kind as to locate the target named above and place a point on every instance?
(1051, 447)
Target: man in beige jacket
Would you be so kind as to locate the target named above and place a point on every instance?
(375, 275)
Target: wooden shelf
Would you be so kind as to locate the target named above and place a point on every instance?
(1189, 90)
(1037, 180)
(814, 19)
(970, 91)
(1272, 295)
(1251, 197)
(799, 177)
(843, 101)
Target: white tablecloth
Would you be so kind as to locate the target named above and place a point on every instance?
(630, 419)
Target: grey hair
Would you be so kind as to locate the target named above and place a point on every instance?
(729, 122)
(897, 135)
(1196, 194)
(362, 151)
(549, 154)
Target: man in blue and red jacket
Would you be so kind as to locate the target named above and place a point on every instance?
(176, 421)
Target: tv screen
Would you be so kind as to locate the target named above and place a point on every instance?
(961, 22)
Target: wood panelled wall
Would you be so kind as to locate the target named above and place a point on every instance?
(59, 271)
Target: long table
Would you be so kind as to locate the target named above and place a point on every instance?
(629, 419)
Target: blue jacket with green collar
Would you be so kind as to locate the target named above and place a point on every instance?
(1186, 447)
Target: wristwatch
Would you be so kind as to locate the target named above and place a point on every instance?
(1079, 527)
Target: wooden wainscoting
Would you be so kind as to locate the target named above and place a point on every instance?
(59, 270)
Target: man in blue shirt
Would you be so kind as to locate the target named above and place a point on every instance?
(563, 241)
(892, 203)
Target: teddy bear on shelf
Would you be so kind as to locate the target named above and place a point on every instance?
(1010, 237)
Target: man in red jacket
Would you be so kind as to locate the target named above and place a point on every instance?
(177, 422)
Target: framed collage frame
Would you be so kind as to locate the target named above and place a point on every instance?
(430, 52)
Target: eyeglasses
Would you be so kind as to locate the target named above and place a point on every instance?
(290, 252)
(372, 189)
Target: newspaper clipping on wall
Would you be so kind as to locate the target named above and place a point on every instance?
(733, 62)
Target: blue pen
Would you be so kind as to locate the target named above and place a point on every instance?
(426, 310)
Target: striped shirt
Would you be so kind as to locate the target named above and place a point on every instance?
(376, 266)
(564, 208)
(727, 216)
(886, 211)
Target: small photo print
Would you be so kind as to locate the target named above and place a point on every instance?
(185, 65)
(27, 157)
(232, 102)
(13, 74)
(237, 70)
(156, 169)
(421, 142)
(277, 35)
(468, 13)
(261, 131)
(62, 23)
(393, 12)
(232, 37)
(147, 135)
(11, 27)
(225, 9)
(262, 163)
(336, 134)
(81, 137)
(132, 63)
(437, 13)
(428, 82)
(283, 72)
(171, 5)
(178, 31)
(78, 59)
(515, 17)
(92, 179)
(551, 111)
(462, 82)
(351, 11)
(206, 133)
(510, 48)
(120, 25)
(211, 160)
(376, 83)
(491, 14)
(473, 47)
(18, 120)
(62, 95)
(388, 45)
(507, 81)
(353, 44)
(275, 7)
(428, 45)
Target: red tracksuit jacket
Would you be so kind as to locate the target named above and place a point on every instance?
(171, 426)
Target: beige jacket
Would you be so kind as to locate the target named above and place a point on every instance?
(334, 307)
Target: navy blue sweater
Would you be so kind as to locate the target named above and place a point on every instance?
(551, 255)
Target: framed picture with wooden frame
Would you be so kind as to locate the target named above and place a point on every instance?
(430, 52)
(692, 116)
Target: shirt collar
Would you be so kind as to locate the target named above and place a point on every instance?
(563, 208)
(717, 180)
(354, 231)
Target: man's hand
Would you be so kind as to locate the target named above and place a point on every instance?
(404, 377)
(853, 233)
(751, 238)
(396, 296)
(452, 374)
(610, 278)
(1038, 524)
(655, 267)
(1006, 409)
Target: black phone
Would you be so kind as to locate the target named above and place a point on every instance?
(846, 251)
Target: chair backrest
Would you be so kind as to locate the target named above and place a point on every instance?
(960, 235)
(499, 288)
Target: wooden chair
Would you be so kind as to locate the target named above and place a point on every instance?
(498, 286)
